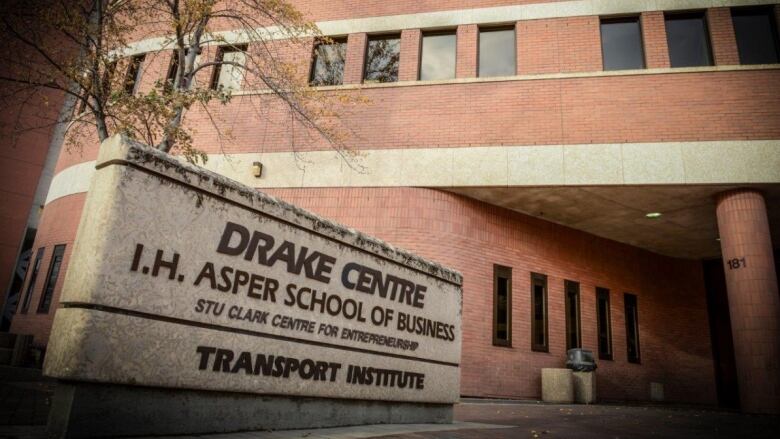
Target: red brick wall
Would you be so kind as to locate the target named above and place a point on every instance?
(409, 67)
(26, 126)
(356, 54)
(471, 236)
(724, 41)
(466, 65)
(654, 38)
(560, 45)
(58, 226)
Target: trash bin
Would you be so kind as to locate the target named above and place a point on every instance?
(580, 360)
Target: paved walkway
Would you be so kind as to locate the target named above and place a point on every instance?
(24, 407)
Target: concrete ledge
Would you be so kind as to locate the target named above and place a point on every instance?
(85, 410)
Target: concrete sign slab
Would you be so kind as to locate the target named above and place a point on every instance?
(181, 278)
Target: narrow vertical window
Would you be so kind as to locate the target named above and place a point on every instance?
(497, 54)
(51, 279)
(502, 306)
(438, 56)
(632, 327)
(173, 68)
(383, 54)
(688, 40)
(621, 44)
(756, 33)
(603, 324)
(229, 72)
(133, 75)
(328, 63)
(33, 277)
(539, 340)
(573, 333)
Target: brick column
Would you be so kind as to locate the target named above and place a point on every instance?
(724, 41)
(754, 303)
(654, 36)
(466, 58)
(356, 53)
(409, 68)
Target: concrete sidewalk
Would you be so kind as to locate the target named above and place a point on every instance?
(24, 408)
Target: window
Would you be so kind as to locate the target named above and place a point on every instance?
(51, 279)
(502, 306)
(756, 33)
(173, 68)
(573, 333)
(133, 75)
(328, 64)
(230, 73)
(539, 313)
(31, 282)
(497, 56)
(621, 44)
(383, 54)
(603, 324)
(438, 56)
(632, 328)
(688, 40)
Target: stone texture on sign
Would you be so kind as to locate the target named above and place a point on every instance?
(584, 387)
(157, 241)
(557, 386)
(113, 348)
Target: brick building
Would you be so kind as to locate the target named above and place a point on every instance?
(604, 174)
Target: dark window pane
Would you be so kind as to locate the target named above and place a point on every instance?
(621, 44)
(496, 52)
(51, 278)
(572, 315)
(603, 323)
(632, 328)
(688, 40)
(539, 312)
(756, 35)
(133, 76)
(33, 277)
(328, 64)
(382, 57)
(438, 57)
(173, 68)
(502, 318)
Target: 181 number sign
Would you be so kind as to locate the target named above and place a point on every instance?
(736, 263)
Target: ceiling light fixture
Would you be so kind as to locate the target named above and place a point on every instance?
(654, 215)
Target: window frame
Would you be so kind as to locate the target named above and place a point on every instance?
(221, 51)
(435, 33)
(133, 73)
(769, 9)
(604, 294)
(631, 301)
(500, 271)
(382, 36)
(47, 293)
(707, 36)
(570, 286)
(539, 279)
(24, 304)
(498, 28)
(312, 66)
(622, 19)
